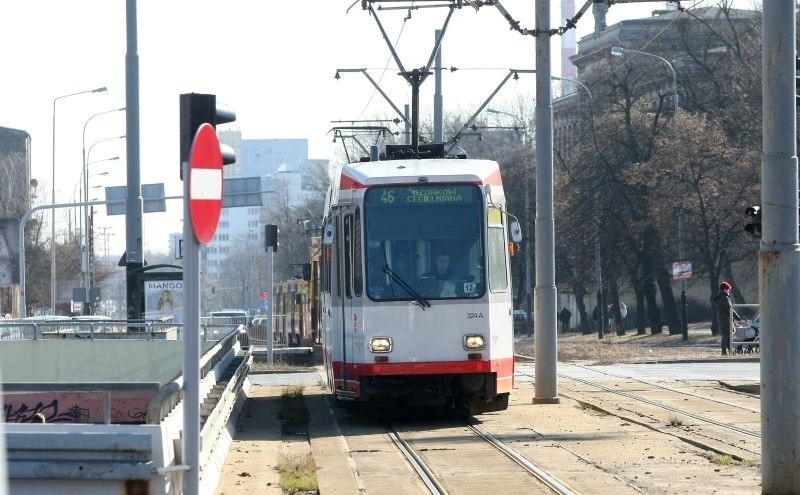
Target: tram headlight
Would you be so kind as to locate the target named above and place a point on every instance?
(474, 342)
(380, 344)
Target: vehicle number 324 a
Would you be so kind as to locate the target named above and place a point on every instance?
(474, 315)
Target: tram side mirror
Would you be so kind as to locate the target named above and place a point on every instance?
(327, 236)
(516, 231)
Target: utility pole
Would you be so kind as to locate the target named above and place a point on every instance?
(545, 336)
(438, 111)
(779, 256)
(134, 257)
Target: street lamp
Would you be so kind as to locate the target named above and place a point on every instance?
(85, 242)
(619, 51)
(53, 199)
(90, 230)
(528, 295)
(88, 218)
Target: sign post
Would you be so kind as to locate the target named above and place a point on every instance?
(202, 194)
(681, 270)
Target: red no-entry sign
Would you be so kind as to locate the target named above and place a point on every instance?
(205, 183)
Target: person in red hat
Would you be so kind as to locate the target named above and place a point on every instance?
(722, 301)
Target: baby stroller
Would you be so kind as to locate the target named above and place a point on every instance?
(745, 338)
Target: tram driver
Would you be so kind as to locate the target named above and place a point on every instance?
(441, 269)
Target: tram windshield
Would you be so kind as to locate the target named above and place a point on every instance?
(424, 242)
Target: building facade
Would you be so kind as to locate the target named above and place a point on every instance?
(15, 201)
(686, 40)
(281, 164)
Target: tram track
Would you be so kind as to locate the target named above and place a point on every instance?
(716, 434)
(675, 390)
(426, 466)
(626, 450)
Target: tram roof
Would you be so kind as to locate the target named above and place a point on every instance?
(364, 174)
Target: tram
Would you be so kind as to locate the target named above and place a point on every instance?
(398, 330)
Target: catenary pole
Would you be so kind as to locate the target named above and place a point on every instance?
(438, 133)
(779, 256)
(545, 343)
(134, 257)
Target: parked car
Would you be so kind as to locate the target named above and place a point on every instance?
(221, 322)
(235, 316)
(520, 320)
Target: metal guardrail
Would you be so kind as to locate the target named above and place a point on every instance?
(282, 333)
(166, 397)
(25, 329)
(172, 393)
(75, 456)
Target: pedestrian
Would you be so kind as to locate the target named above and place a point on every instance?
(722, 301)
(623, 313)
(596, 318)
(564, 316)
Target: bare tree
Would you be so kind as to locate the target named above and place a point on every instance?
(13, 176)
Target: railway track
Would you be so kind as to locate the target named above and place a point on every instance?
(430, 469)
(727, 425)
(595, 440)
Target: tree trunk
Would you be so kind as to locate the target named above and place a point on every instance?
(664, 281)
(583, 321)
(713, 286)
(653, 313)
(619, 325)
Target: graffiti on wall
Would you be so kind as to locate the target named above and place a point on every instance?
(76, 407)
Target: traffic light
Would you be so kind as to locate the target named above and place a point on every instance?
(754, 226)
(197, 109)
(271, 237)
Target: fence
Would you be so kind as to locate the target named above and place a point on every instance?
(744, 338)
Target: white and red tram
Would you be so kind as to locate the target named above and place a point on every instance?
(395, 332)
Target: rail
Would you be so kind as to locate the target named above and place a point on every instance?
(286, 332)
(171, 394)
(27, 329)
(165, 398)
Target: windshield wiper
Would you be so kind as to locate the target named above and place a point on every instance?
(423, 303)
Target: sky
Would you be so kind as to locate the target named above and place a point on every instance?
(273, 61)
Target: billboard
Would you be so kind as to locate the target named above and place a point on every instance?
(163, 299)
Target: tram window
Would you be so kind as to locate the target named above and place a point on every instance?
(358, 283)
(405, 226)
(498, 278)
(336, 251)
(325, 262)
(348, 255)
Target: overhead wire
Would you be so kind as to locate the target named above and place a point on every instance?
(385, 68)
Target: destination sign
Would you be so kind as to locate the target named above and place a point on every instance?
(420, 196)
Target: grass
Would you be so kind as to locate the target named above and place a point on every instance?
(722, 459)
(675, 421)
(293, 408)
(280, 364)
(729, 460)
(298, 474)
